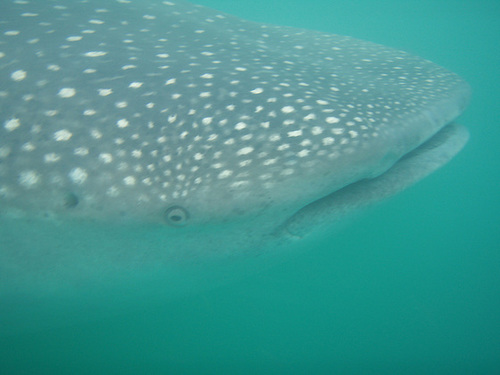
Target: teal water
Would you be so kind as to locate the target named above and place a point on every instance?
(411, 286)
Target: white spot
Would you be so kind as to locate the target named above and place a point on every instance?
(295, 133)
(274, 137)
(269, 161)
(89, 112)
(198, 156)
(12, 32)
(207, 76)
(162, 55)
(332, 120)
(95, 53)
(106, 158)
(74, 38)
(137, 153)
(266, 176)
(205, 94)
(121, 104)
(127, 67)
(287, 109)
(135, 85)
(207, 120)
(4, 152)
(129, 180)
(225, 174)
(303, 153)
(247, 137)
(90, 71)
(241, 69)
(2, 55)
(240, 126)
(51, 113)
(29, 178)
(105, 92)
(96, 134)
(287, 172)
(113, 191)
(12, 124)
(66, 92)
(244, 151)
(283, 147)
(353, 133)
(28, 146)
(306, 143)
(322, 102)
(170, 81)
(81, 151)
(53, 67)
(78, 175)
(327, 141)
(258, 90)
(316, 130)
(62, 135)
(310, 116)
(18, 75)
(122, 123)
(51, 158)
(239, 184)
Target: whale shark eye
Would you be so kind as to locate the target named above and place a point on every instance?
(176, 216)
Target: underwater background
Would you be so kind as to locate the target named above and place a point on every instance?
(411, 286)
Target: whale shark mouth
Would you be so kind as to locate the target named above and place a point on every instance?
(409, 169)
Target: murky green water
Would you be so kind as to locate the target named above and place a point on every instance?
(411, 286)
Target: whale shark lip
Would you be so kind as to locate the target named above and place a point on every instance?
(432, 154)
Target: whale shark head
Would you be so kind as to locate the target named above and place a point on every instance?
(168, 112)
(215, 133)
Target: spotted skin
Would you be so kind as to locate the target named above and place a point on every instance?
(127, 108)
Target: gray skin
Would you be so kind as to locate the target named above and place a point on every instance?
(137, 137)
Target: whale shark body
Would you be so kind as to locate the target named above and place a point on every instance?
(140, 135)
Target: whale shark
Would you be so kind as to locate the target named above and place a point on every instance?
(142, 137)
